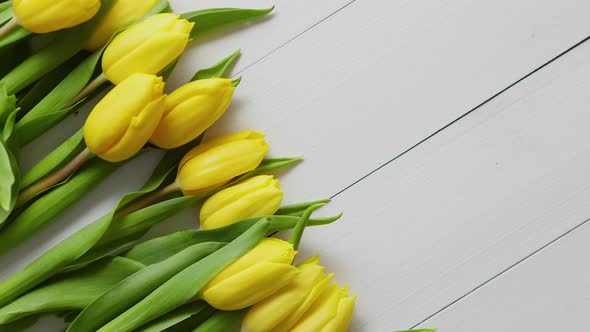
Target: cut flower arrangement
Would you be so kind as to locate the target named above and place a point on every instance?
(230, 273)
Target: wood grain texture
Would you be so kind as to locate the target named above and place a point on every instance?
(470, 202)
(359, 88)
(548, 292)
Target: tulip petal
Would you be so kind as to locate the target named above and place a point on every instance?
(129, 39)
(343, 318)
(51, 15)
(147, 47)
(221, 164)
(322, 311)
(188, 116)
(257, 196)
(281, 310)
(121, 15)
(250, 286)
(135, 103)
(137, 134)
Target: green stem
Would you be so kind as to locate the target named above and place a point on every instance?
(295, 237)
(88, 89)
(149, 199)
(9, 26)
(36, 188)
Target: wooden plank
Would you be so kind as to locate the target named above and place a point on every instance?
(470, 202)
(548, 292)
(256, 39)
(380, 76)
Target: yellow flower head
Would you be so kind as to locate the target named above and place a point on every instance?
(123, 121)
(43, 16)
(191, 109)
(257, 196)
(214, 163)
(331, 312)
(123, 14)
(256, 275)
(147, 47)
(280, 311)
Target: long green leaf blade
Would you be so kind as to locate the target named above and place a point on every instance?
(215, 18)
(136, 287)
(220, 69)
(184, 286)
(223, 321)
(182, 319)
(56, 159)
(71, 291)
(52, 109)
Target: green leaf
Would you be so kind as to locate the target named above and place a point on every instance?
(48, 82)
(7, 104)
(215, 18)
(43, 210)
(298, 209)
(16, 34)
(161, 248)
(182, 319)
(135, 225)
(223, 321)
(71, 291)
(52, 109)
(66, 44)
(65, 253)
(11, 56)
(9, 168)
(220, 69)
(269, 165)
(5, 11)
(136, 287)
(55, 160)
(184, 286)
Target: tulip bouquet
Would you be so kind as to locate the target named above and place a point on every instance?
(229, 273)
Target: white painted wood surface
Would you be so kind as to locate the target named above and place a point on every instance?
(548, 292)
(468, 203)
(353, 85)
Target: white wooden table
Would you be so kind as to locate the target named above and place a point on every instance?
(454, 135)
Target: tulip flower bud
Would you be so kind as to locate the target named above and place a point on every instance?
(257, 196)
(43, 16)
(147, 47)
(123, 121)
(281, 310)
(214, 163)
(191, 109)
(123, 14)
(256, 275)
(332, 311)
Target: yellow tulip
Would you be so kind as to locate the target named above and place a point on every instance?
(191, 109)
(257, 196)
(123, 121)
(280, 311)
(214, 163)
(256, 275)
(331, 312)
(123, 14)
(43, 16)
(147, 47)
